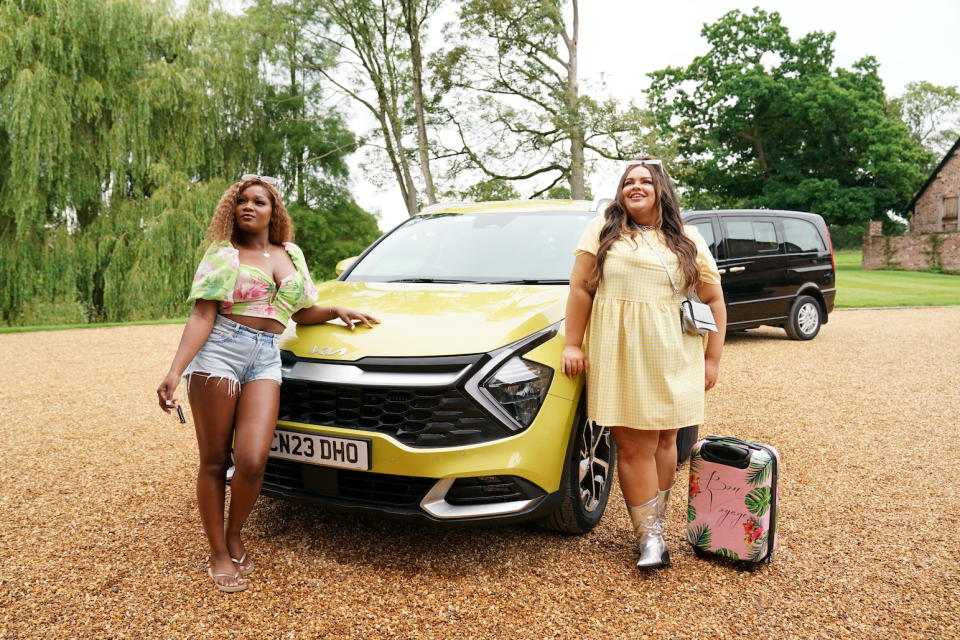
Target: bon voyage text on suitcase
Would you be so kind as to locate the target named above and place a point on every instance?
(732, 511)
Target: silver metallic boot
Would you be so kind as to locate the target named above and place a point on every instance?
(649, 528)
(663, 497)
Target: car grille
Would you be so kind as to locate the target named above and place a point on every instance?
(415, 417)
(356, 486)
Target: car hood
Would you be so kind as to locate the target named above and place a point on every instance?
(427, 319)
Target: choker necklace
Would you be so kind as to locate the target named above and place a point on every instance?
(643, 227)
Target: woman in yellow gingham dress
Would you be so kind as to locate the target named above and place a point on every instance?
(645, 377)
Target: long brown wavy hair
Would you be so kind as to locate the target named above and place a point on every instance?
(616, 225)
(222, 228)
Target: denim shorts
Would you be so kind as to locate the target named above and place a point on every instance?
(237, 354)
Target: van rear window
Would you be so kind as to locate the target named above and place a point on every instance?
(802, 236)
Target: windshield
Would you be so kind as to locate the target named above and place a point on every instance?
(508, 247)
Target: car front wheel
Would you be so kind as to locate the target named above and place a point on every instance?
(587, 478)
(804, 320)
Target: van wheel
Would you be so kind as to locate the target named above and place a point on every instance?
(804, 320)
(587, 478)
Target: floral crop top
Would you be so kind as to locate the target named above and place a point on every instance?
(245, 290)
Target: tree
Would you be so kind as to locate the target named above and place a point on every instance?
(94, 95)
(121, 124)
(512, 91)
(378, 45)
(762, 120)
(932, 114)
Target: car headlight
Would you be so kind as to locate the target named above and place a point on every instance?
(519, 386)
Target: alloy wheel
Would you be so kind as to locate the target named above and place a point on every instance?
(595, 456)
(808, 318)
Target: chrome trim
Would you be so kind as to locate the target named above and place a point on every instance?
(497, 358)
(352, 375)
(435, 504)
(737, 269)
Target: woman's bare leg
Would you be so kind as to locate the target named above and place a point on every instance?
(666, 458)
(255, 420)
(636, 463)
(213, 401)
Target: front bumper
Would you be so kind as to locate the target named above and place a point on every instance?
(412, 498)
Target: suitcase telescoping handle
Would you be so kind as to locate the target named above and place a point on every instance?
(731, 452)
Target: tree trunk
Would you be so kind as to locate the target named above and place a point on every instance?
(577, 188)
(416, 60)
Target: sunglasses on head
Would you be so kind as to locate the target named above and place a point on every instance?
(653, 162)
(266, 179)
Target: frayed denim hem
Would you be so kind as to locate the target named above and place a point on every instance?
(233, 386)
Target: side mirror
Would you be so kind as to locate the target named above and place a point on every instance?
(343, 265)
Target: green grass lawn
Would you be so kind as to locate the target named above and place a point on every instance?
(857, 288)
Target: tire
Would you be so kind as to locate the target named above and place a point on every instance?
(805, 319)
(587, 478)
(686, 438)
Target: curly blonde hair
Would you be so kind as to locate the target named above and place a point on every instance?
(222, 227)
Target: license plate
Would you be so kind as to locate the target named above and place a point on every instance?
(328, 451)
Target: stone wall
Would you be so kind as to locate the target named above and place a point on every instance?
(936, 208)
(911, 251)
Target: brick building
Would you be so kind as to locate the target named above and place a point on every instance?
(933, 239)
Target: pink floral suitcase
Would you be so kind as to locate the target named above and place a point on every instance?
(732, 512)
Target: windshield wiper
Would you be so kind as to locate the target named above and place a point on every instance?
(528, 281)
(436, 280)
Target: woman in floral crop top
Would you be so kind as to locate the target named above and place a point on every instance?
(251, 281)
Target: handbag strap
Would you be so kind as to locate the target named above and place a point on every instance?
(673, 285)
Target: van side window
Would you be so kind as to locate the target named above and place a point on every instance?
(706, 230)
(766, 236)
(802, 236)
(750, 237)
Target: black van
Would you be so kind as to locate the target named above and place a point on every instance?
(777, 267)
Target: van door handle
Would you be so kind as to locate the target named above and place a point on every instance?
(721, 271)
(737, 269)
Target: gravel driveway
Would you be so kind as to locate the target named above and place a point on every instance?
(100, 538)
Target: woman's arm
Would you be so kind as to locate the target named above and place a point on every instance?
(317, 314)
(579, 304)
(194, 335)
(712, 295)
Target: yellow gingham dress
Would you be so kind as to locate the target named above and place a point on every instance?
(645, 372)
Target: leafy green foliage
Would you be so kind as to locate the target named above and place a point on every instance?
(932, 114)
(691, 513)
(763, 120)
(758, 500)
(332, 233)
(121, 124)
(723, 552)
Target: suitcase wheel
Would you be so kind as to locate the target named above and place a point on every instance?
(700, 553)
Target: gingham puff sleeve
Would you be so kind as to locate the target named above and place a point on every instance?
(590, 238)
(705, 260)
(216, 275)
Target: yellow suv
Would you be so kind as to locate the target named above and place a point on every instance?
(453, 409)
